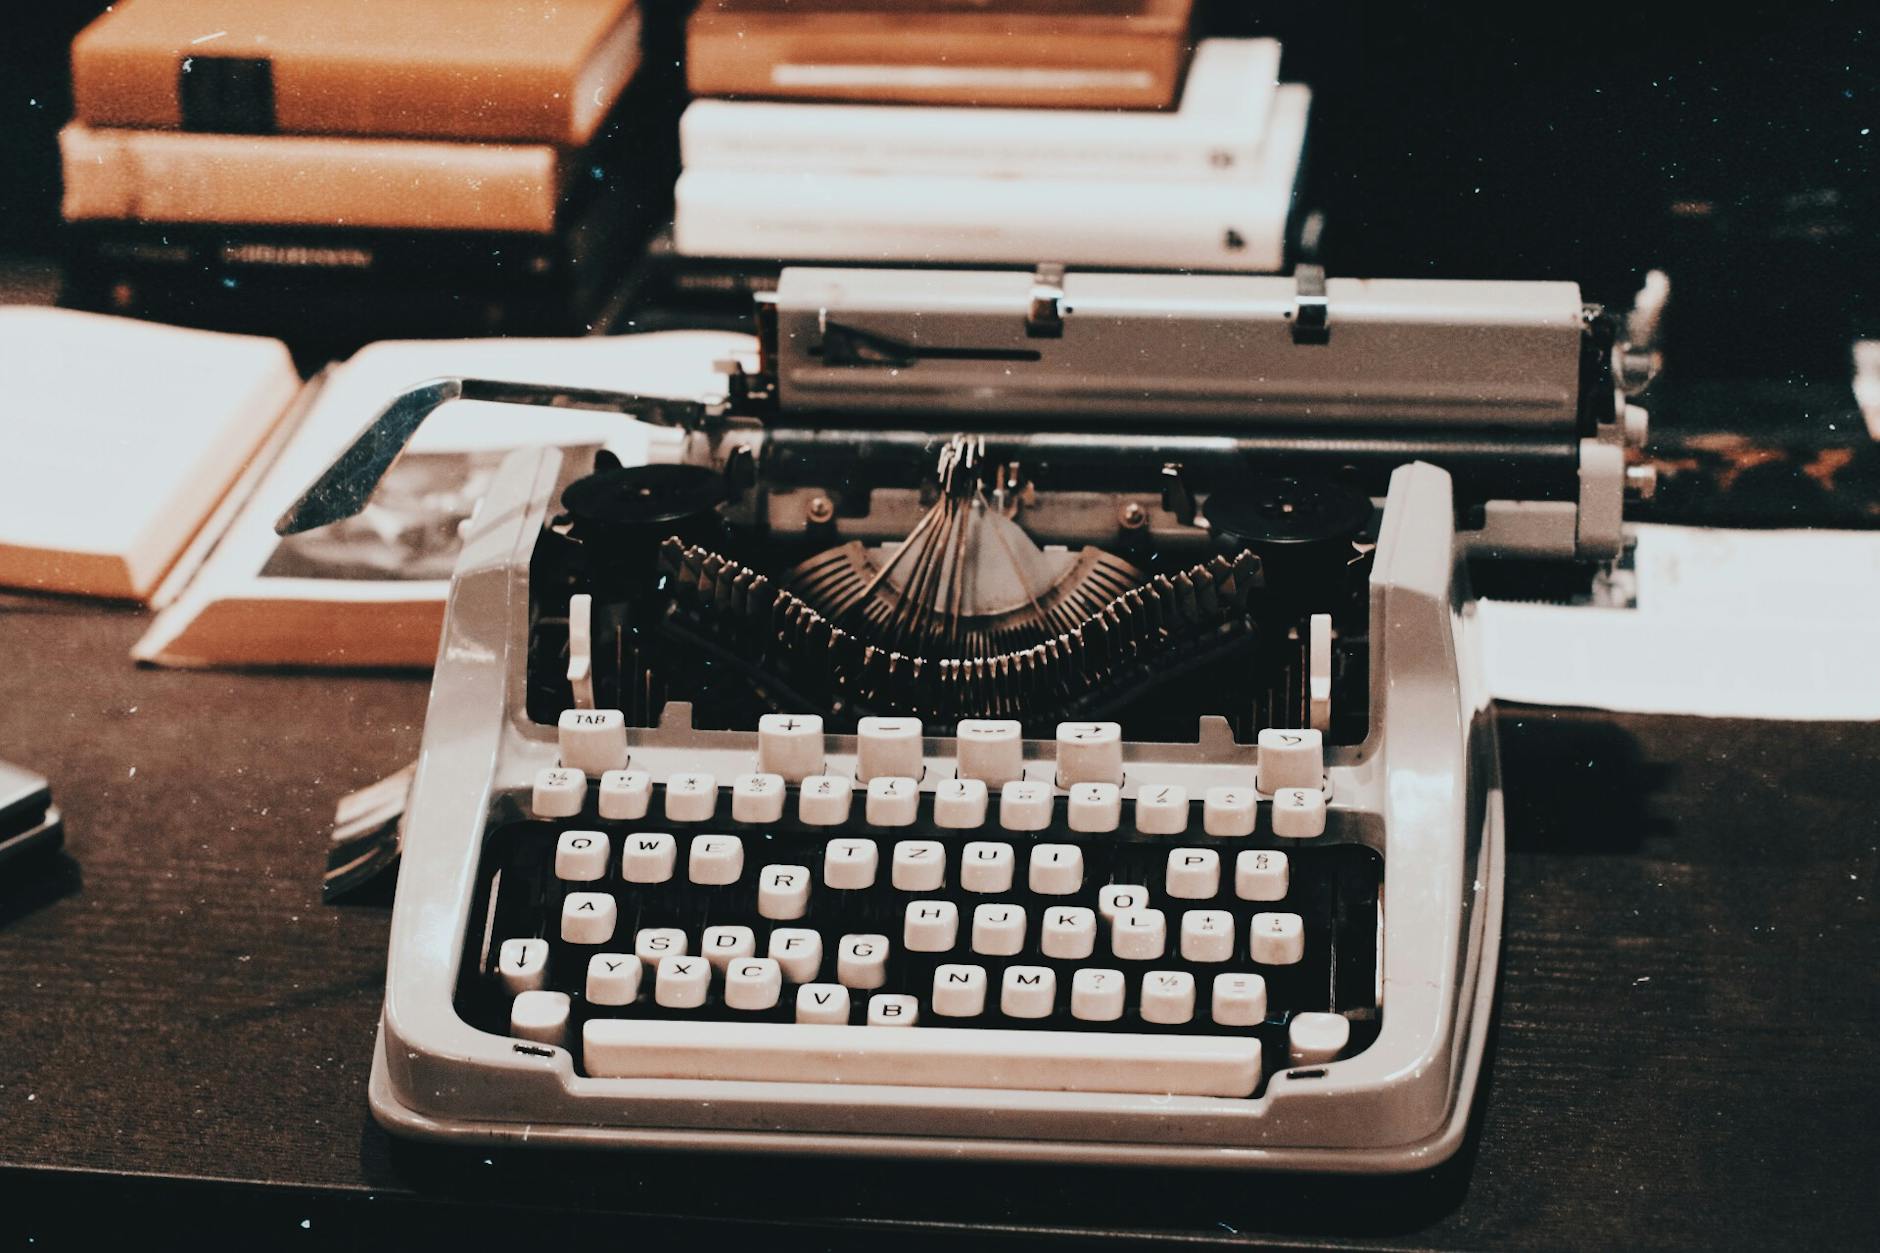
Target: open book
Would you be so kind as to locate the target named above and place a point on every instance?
(370, 591)
(121, 438)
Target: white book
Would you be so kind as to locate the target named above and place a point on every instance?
(122, 437)
(369, 591)
(1226, 225)
(1215, 133)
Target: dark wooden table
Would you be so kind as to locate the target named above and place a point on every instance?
(1685, 1054)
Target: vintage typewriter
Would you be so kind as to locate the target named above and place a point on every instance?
(1032, 717)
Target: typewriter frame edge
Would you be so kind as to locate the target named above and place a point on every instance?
(504, 539)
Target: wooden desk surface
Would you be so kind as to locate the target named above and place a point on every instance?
(1685, 1053)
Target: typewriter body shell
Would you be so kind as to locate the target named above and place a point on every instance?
(1420, 787)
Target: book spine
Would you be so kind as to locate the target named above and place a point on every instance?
(334, 289)
(212, 255)
(1097, 72)
(377, 92)
(176, 176)
(1225, 226)
(1003, 143)
(323, 322)
(360, 260)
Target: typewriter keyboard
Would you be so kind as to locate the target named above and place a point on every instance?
(1068, 938)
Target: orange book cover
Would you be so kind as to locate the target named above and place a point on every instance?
(121, 174)
(1085, 54)
(544, 71)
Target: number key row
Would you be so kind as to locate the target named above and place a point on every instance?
(826, 800)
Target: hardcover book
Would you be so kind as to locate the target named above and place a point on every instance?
(327, 289)
(1091, 54)
(1215, 133)
(296, 180)
(235, 256)
(543, 71)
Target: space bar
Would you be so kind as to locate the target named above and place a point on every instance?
(929, 1057)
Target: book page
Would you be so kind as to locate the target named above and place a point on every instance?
(369, 591)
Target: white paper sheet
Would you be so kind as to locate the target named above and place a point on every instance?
(1745, 624)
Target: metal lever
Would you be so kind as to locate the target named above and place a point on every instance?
(349, 482)
(1178, 497)
(1311, 321)
(1044, 317)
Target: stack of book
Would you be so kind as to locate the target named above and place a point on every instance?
(953, 159)
(358, 167)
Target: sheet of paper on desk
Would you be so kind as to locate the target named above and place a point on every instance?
(1747, 624)
(369, 591)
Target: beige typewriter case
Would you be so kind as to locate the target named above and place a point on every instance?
(1429, 379)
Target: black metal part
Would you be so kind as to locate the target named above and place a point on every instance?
(1311, 321)
(1599, 400)
(651, 497)
(1504, 466)
(1301, 528)
(1275, 514)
